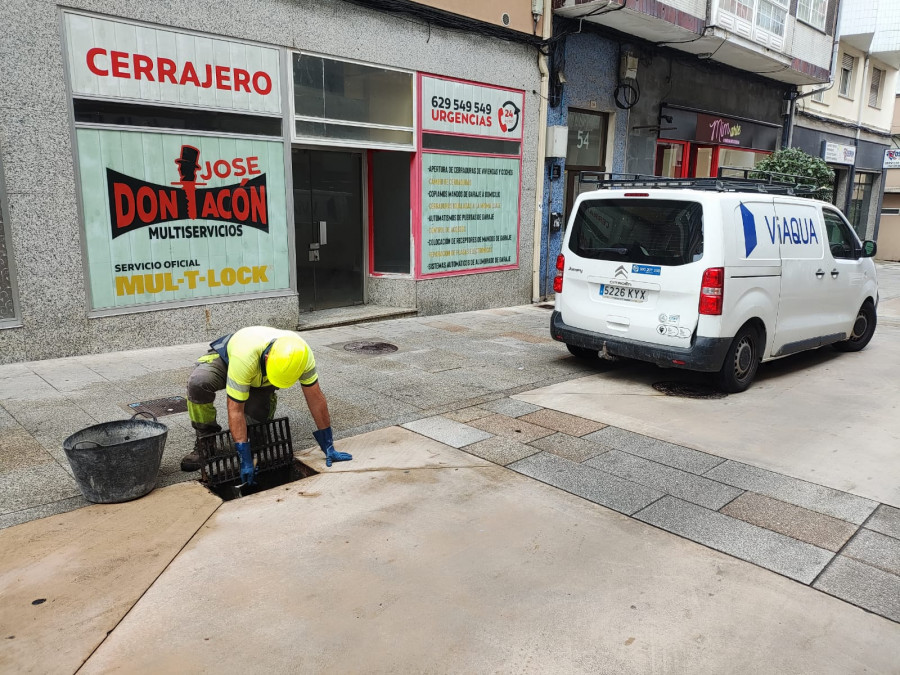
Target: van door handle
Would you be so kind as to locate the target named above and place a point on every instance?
(834, 274)
(820, 273)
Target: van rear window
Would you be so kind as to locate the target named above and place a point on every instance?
(652, 231)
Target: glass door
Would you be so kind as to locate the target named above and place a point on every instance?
(704, 161)
(328, 227)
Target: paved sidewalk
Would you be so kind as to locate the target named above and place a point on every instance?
(417, 557)
(494, 385)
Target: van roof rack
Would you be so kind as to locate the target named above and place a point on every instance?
(729, 179)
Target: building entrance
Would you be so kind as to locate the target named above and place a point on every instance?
(328, 227)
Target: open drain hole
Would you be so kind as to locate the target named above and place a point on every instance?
(688, 390)
(370, 347)
(266, 480)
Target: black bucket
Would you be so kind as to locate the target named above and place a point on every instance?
(116, 461)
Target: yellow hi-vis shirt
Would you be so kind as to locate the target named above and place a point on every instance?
(245, 366)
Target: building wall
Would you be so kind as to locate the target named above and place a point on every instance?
(692, 84)
(518, 12)
(590, 65)
(37, 157)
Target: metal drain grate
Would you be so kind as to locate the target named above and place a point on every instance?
(159, 407)
(688, 390)
(270, 445)
(370, 347)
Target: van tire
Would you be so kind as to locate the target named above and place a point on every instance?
(582, 352)
(862, 331)
(741, 362)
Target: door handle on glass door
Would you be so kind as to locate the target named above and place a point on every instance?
(323, 232)
(820, 273)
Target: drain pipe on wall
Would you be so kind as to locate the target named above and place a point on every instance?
(541, 158)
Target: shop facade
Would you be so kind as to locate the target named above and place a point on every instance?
(857, 163)
(206, 169)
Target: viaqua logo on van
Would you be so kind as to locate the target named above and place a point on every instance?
(783, 230)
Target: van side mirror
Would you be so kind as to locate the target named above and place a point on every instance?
(869, 248)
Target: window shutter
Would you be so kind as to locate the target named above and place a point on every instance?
(875, 88)
(847, 63)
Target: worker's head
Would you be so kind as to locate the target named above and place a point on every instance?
(285, 362)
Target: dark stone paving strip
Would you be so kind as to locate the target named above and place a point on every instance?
(675, 482)
(583, 481)
(793, 521)
(569, 447)
(655, 450)
(862, 585)
(814, 497)
(773, 551)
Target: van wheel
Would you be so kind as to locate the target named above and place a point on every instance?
(741, 362)
(863, 330)
(582, 352)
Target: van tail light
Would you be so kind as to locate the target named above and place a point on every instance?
(712, 291)
(560, 266)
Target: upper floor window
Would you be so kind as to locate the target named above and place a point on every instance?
(846, 83)
(352, 103)
(819, 96)
(875, 88)
(771, 15)
(740, 8)
(812, 12)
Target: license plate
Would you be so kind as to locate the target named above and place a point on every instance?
(623, 292)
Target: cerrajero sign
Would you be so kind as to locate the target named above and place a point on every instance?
(471, 109)
(121, 60)
(169, 217)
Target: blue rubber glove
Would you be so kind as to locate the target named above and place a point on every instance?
(325, 440)
(248, 471)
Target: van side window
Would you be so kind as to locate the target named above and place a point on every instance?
(841, 241)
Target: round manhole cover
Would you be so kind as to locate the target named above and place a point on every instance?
(688, 390)
(370, 347)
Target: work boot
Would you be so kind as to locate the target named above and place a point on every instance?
(193, 460)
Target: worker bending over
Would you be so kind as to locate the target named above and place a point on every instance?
(250, 365)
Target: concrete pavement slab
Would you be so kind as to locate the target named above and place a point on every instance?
(886, 520)
(472, 570)
(875, 549)
(390, 448)
(655, 450)
(87, 568)
(793, 521)
(591, 484)
(18, 450)
(795, 559)
(34, 485)
(66, 374)
(25, 387)
(509, 407)
(443, 430)
(467, 414)
(863, 585)
(814, 497)
(819, 416)
(675, 482)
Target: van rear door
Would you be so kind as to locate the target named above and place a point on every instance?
(633, 266)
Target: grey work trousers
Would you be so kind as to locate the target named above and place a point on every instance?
(207, 378)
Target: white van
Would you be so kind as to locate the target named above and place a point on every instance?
(711, 280)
